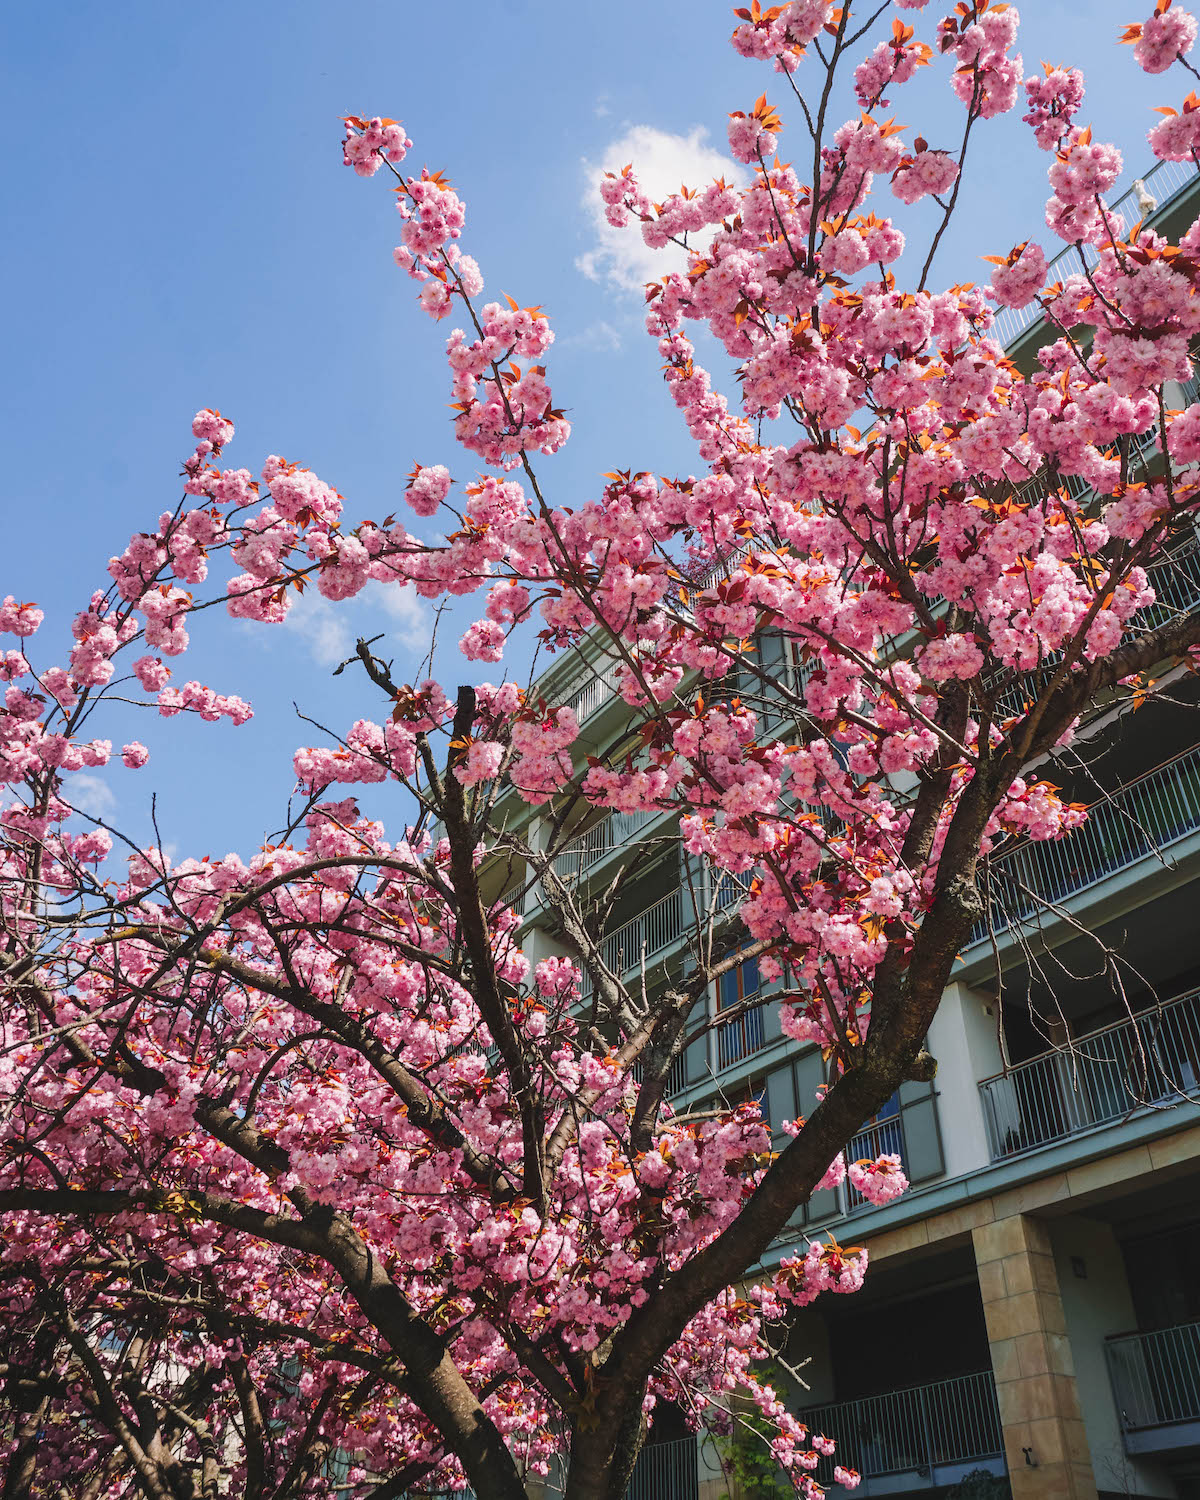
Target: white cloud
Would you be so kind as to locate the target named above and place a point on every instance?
(601, 337)
(408, 613)
(324, 629)
(330, 630)
(89, 794)
(663, 163)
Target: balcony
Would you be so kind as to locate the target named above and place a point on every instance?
(1156, 1385)
(575, 859)
(909, 1131)
(513, 895)
(1175, 577)
(1150, 1060)
(1162, 181)
(739, 1038)
(586, 697)
(662, 925)
(914, 1439)
(721, 568)
(1144, 817)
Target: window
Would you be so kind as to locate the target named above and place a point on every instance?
(744, 1034)
(880, 1136)
(906, 1127)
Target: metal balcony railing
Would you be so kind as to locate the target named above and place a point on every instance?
(513, 894)
(1162, 181)
(722, 568)
(884, 1138)
(1151, 1059)
(577, 857)
(467, 1494)
(1146, 815)
(601, 683)
(666, 1471)
(739, 1038)
(662, 925)
(1156, 1377)
(1175, 578)
(929, 1430)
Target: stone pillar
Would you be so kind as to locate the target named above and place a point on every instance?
(1097, 1302)
(1044, 1439)
(711, 1483)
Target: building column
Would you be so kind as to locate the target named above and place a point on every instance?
(1098, 1302)
(1044, 1439)
(538, 835)
(964, 1037)
(537, 944)
(711, 1483)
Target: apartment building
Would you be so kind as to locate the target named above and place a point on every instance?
(1030, 1325)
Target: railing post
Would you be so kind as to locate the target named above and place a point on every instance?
(991, 1128)
(926, 1434)
(1071, 1100)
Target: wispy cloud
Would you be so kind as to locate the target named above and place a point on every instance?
(323, 629)
(601, 337)
(663, 162)
(89, 794)
(330, 630)
(411, 618)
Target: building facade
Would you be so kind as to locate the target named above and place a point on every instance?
(1030, 1323)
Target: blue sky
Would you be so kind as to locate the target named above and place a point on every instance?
(181, 233)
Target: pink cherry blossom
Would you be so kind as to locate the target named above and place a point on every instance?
(1018, 280)
(1168, 35)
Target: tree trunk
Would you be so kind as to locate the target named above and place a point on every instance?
(602, 1461)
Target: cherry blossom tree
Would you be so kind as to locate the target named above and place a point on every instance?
(310, 1183)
